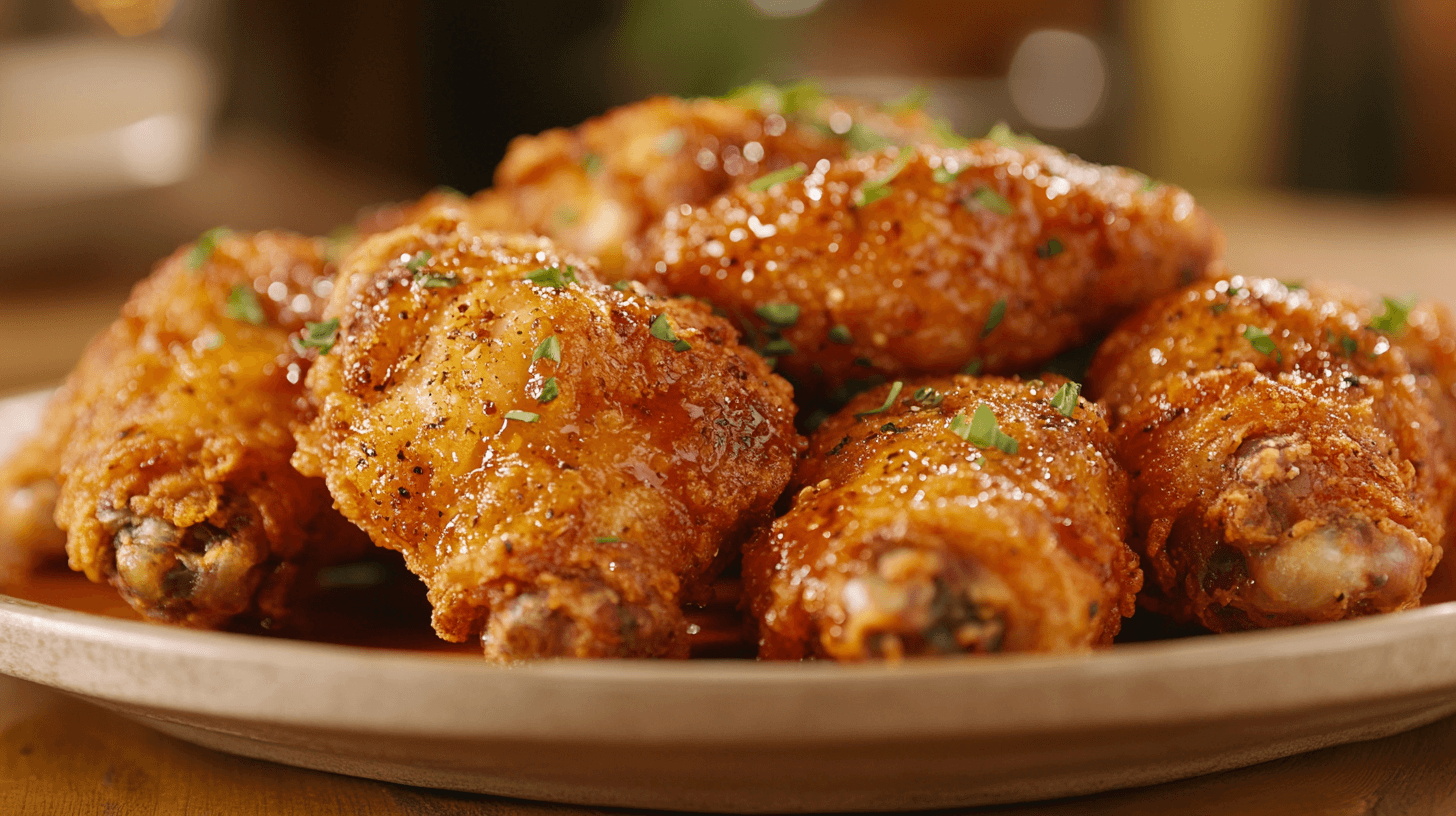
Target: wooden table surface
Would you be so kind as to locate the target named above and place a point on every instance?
(61, 756)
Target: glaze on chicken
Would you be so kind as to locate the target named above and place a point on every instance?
(916, 531)
(562, 462)
(1286, 458)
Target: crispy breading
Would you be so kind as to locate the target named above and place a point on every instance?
(990, 257)
(1287, 463)
(906, 538)
(175, 484)
(563, 463)
(596, 187)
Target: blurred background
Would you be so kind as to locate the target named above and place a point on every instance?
(1319, 132)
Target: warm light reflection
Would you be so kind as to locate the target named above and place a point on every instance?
(1057, 79)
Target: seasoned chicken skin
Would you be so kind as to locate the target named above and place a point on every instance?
(175, 484)
(596, 187)
(1286, 461)
(908, 537)
(926, 261)
(563, 463)
(28, 532)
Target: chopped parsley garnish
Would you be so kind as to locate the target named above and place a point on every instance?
(840, 334)
(863, 139)
(1002, 134)
(778, 347)
(662, 330)
(1051, 249)
(768, 180)
(1293, 286)
(781, 314)
(1263, 343)
(1349, 345)
(321, 336)
(418, 261)
(927, 397)
(871, 191)
(242, 305)
(206, 244)
(973, 367)
(438, 280)
(671, 142)
(1150, 184)
(946, 135)
(987, 199)
(894, 394)
(1218, 308)
(522, 416)
(944, 176)
(1393, 319)
(553, 276)
(591, 163)
(549, 391)
(913, 101)
(983, 430)
(1065, 400)
(550, 349)
(998, 311)
(622, 286)
(606, 539)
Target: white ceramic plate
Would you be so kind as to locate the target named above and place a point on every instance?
(741, 736)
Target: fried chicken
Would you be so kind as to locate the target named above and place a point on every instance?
(949, 515)
(28, 532)
(562, 462)
(1286, 459)
(175, 484)
(993, 257)
(597, 187)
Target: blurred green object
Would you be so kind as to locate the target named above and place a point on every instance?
(703, 48)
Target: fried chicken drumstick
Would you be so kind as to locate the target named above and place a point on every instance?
(928, 260)
(595, 188)
(948, 515)
(562, 462)
(173, 472)
(1286, 460)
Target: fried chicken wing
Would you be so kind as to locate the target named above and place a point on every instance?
(596, 187)
(1286, 459)
(28, 532)
(948, 515)
(926, 261)
(562, 462)
(175, 484)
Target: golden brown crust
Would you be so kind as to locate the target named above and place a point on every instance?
(905, 538)
(1024, 253)
(28, 532)
(598, 186)
(174, 479)
(1286, 463)
(578, 532)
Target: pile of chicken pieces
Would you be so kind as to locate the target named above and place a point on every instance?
(574, 400)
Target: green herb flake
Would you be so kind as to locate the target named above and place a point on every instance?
(1349, 345)
(522, 416)
(553, 276)
(946, 136)
(622, 286)
(1051, 249)
(321, 336)
(1293, 286)
(1065, 400)
(1219, 308)
(913, 101)
(894, 394)
(418, 260)
(662, 330)
(987, 199)
(871, 191)
(201, 251)
(438, 280)
(780, 314)
(1150, 184)
(778, 347)
(927, 397)
(863, 139)
(1393, 320)
(243, 306)
(944, 176)
(671, 142)
(1263, 343)
(998, 311)
(983, 430)
(764, 182)
(801, 97)
(591, 163)
(549, 391)
(1002, 134)
(840, 334)
(606, 539)
(550, 349)
(973, 367)
(567, 216)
